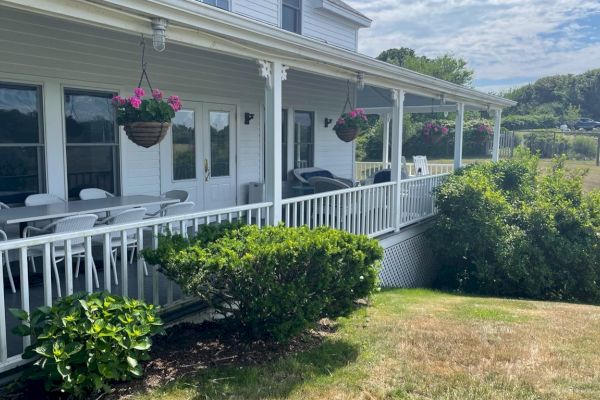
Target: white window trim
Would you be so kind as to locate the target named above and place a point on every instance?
(301, 17)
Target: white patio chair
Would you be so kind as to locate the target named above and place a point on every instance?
(94, 193)
(42, 199)
(6, 260)
(3, 206)
(421, 166)
(124, 217)
(64, 225)
(171, 210)
(178, 194)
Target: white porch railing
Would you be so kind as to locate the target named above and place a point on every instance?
(363, 170)
(417, 201)
(367, 210)
(26, 299)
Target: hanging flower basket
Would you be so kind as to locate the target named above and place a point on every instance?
(146, 121)
(146, 134)
(350, 125)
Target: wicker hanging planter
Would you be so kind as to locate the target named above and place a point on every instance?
(146, 121)
(347, 134)
(350, 124)
(147, 134)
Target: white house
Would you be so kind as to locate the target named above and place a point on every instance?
(260, 80)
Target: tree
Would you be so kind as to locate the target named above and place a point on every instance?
(444, 67)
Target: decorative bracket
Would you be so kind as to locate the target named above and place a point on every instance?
(264, 69)
(398, 95)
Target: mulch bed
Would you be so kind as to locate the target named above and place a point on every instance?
(187, 348)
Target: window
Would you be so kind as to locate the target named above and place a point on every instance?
(184, 145)
(304, 134)
(92, 141)
(284, 144)
(224, 4)
(291, 15)
(219, 143)
(21, 142)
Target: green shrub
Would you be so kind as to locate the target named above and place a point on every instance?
(505, 229)
(276, 281)
(85, 341)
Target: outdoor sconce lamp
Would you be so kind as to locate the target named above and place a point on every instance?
(247, 118)
(327, 122)
(360, 80)
(159, 37)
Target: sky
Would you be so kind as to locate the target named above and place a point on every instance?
(508, 43)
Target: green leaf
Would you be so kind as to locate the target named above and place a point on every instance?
(19, 314)
(132, 362)
(142, 345)
(21, 330)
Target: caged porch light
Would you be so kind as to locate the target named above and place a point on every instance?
(159, 37)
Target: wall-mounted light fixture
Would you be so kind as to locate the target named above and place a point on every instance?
(360, 80)
(443, 102)
(247, 118)
(159, 36)
(327, 122)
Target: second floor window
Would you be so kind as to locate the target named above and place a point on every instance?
(291, 15)
(224, 4)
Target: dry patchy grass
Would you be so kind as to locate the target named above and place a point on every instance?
(416, 344)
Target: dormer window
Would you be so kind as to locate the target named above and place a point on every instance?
(291, 15)
(224, 4)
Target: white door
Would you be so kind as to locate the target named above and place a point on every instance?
(182, 156)
(220, 185)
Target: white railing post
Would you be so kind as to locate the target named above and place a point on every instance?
(458, 135)
(397, 127)
(386, 140)
(274, 73)
(496, 148)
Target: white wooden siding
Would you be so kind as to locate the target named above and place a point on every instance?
(263, 10)
(58, 54)
(326, 26)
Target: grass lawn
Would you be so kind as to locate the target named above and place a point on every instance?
(418, 344)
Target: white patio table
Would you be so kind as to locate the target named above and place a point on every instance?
(20, 215)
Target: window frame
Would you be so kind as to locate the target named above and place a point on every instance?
(41, 145)
(294, 143)
(195, 152)
(216, 6)
(298, 16)
(116, 146)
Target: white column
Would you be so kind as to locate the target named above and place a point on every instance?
(496, 148)
(386, 140)
(53, 126)
(458, 135)
(272, 72)
(397, 127)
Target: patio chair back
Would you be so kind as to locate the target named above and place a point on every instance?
(180, 195)
(304, 174)
(178, 209)
(42, 199)
(94, 193)
(322, 184)
(73, 224)
(421, 166)
(126, 217)
(3, 206)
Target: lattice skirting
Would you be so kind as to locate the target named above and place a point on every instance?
(408, 261)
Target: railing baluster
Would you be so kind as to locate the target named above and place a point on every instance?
(47, 275)
(124, 267)
(89, 263)
(106, 261)
(141, 262)
(24, 275)
(3, 327)
(69, 267)
(155, 275)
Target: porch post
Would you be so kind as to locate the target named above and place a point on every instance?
(386, 140)
(458, 135)
(273, 72)
(496, 148)
(397, 127)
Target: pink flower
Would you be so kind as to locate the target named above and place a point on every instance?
(173, 99)
(175, 106)
(341, 121)
(139, 92)
(118, 100)
(444, 130)
(157, 94)
(353, 114)
(135, 102)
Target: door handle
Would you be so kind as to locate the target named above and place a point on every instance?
(206, 170)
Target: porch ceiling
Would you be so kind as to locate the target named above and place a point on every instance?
(194, 24)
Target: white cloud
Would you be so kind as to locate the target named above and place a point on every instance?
(516, 40)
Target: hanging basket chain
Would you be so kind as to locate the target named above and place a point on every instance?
(348, 100)
(144, 64)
